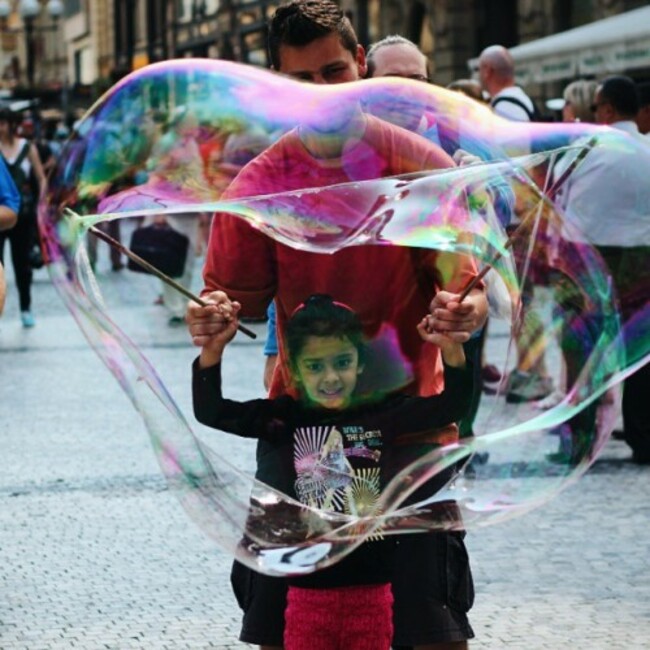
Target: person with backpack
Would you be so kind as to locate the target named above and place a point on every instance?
(23, 162)
(496, 70)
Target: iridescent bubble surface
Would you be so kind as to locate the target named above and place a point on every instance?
(338, 181)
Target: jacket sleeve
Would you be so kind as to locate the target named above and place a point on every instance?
(259, 418)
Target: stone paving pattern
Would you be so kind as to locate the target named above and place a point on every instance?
(96, 553)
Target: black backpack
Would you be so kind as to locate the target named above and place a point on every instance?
(534, 116)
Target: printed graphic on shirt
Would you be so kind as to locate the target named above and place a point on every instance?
(324, 458)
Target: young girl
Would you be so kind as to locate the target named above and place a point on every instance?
(333, 444)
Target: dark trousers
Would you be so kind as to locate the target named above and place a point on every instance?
(636, 418)
(21, 240)
(630, 269)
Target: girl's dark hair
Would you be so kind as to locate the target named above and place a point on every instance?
(300, 22)
(320, 315)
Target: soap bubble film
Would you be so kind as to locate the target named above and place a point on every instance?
(349, 172)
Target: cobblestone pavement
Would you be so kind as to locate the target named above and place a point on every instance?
(96, 553)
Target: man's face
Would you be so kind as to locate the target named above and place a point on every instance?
(400, 60)
(403, 109)
(484, 73)
(603, 110)
(323, 61)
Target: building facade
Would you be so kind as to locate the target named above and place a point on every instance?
(95, 42)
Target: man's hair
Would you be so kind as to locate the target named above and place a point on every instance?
(643, 93)
(621, 93)
(393, 39)
(300, 22)
(320, 315)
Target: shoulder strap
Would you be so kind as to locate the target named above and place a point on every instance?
(24, 152)
(517, 102)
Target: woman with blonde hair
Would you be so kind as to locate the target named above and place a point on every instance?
(578, 98)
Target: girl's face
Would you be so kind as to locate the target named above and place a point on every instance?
(327, 369)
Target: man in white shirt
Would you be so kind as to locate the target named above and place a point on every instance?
(608, 198)
(496, 70)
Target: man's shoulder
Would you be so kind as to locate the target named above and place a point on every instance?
(513, 104)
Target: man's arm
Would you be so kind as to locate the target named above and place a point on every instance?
(8, 217)
(452, 272)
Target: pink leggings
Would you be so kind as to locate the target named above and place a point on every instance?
(345, 618)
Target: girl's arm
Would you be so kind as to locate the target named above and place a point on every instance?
(252, 419)
(225, 310)
(452, 352)
(419, 415)
(258, 418)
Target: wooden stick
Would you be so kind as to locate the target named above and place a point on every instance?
(154, 271)
(551, 193)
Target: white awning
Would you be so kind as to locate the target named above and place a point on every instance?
(609, 45)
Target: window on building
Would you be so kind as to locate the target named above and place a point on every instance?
(496, 23)
(73, 7)
(573, 13)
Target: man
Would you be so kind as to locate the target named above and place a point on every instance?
(643, 116)
(496, 70)
(313, 41)
(396, 56)
(9, 206)
(608, 198)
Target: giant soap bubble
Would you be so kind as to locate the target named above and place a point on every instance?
(345, 202)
